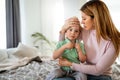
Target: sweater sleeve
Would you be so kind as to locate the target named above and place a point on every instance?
(101, 66)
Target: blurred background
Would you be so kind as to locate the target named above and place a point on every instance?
(47, 17)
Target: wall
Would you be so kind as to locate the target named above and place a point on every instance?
(30, 19)
(2, 25)
(46, 16)
(72, 8)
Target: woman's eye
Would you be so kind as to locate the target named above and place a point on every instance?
(83, 18)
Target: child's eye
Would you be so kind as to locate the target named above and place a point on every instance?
(70, 29)
(76, 31)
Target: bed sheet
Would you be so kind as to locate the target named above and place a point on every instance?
(38, 71)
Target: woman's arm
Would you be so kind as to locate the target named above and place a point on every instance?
(62, 35)
(101, 66)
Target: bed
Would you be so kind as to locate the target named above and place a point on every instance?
(32, 71)
(37, 68)
(38, 71)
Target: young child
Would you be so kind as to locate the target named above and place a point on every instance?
(71, 49)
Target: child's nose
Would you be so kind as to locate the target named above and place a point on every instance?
(73, 32)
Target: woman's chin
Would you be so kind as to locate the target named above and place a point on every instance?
(86, 28)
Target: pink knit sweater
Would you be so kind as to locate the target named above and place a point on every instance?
(100, 57)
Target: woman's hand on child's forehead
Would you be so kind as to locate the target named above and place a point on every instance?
(73, 20)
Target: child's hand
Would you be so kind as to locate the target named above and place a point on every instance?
(82, 57)
(69, 45)
(77, 46)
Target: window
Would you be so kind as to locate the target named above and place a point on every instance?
(2, 25)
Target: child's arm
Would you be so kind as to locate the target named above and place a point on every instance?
(57, 53)
(82, 57)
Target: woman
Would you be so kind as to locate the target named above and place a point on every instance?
(101, 40)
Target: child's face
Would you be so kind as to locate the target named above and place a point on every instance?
(72, 33)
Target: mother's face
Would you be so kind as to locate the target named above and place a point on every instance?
(87, 21)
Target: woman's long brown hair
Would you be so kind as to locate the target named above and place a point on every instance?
(104, 25)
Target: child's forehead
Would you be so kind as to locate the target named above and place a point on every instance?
(74, 28)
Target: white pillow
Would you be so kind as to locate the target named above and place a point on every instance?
(11, 50)
(25, 51)
(3, 54)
